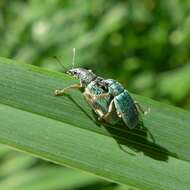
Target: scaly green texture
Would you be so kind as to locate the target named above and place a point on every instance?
(64, 130)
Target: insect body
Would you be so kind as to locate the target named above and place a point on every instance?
(124, 105)
(107, 97)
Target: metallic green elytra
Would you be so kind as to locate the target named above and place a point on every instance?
(125, 107)
(108, 98)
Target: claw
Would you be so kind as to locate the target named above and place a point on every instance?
(58, 92)
(147, 111)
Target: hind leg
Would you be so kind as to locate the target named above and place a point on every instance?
(141, 109)
(110, 109)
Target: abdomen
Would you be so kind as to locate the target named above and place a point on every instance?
(126, 107)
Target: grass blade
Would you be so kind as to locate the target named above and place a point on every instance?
(64, 130)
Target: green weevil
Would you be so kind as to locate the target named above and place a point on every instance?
(107, 97)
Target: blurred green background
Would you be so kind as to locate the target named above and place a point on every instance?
(144, 44)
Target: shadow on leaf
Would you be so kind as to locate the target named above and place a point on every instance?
(138, 140)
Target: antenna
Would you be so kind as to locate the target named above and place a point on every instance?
(73, 61)
(58, 60)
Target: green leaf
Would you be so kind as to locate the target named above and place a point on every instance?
(48, 178)
(64, 130)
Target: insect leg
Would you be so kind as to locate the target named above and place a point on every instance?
(62, 91)
(99, 112)
(103, 95)
(109, 110)
(92, 102)
(88, 98)
(141, 109)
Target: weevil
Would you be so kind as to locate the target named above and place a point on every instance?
(126, 108)
(107, 97)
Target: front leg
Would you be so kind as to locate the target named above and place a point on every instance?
(62, 91)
